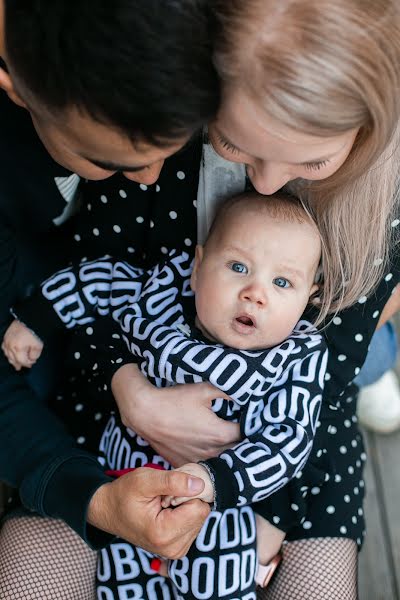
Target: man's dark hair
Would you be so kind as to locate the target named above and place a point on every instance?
(143, 67)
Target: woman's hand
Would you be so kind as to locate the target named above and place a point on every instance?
(177, 421)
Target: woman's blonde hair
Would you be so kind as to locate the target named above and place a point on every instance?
(324, 67)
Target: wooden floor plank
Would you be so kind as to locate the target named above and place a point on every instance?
(375, 577)
(388, 454)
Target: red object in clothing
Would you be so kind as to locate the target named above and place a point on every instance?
(120, 472)
(155, 564)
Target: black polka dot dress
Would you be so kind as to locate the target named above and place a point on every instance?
(141, 224)
(137, 223)
(329, 502)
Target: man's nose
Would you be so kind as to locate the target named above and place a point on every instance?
(147, 175)
(268, 177)
(255, 294)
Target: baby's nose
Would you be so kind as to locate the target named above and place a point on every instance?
(255, 294)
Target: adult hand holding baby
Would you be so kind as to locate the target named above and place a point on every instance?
(177, 421)
(131, 508)
(199, 471)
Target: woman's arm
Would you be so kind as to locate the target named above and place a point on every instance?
(391, 307)
(177, 421)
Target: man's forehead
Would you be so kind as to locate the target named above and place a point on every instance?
(78, 133)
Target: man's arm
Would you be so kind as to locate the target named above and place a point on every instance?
(34, 445)
(59, 480)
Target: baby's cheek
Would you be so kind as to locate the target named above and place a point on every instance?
(284, 325)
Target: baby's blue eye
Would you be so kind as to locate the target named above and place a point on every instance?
(239, 267)
(282, 282)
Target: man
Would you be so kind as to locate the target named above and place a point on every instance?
(109, 87)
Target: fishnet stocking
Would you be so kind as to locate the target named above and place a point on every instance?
(43, 559)
(315, 569)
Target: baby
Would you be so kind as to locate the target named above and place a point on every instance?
(252, 281)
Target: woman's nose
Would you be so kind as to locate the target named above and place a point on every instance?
(148, 175)
(268, 177)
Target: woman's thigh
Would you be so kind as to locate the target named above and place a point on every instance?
(43, 559)
(317, 569)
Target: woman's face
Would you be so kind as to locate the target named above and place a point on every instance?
(273, 153)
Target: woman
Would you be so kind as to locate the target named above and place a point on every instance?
(311, 102)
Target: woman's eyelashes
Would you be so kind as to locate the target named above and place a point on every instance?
(310, 166)
(316, 166)
(227, 145)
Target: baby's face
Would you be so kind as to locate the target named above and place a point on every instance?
(253, 279)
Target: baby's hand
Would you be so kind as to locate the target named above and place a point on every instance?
(207, 495)
(21, 347)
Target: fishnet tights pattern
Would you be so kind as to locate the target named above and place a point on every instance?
(315, 569)
(43, 559)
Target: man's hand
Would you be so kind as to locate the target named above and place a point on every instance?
(130, 507)
(21, 347)
(177, 421)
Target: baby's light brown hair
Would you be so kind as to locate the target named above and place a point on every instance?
(280, 205)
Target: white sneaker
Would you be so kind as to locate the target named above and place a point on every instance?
(378, 406)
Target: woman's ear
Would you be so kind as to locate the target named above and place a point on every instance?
(314, 289)
(198, 257)
(6, 84)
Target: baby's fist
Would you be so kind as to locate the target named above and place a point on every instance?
(197, 470)
(21, 347)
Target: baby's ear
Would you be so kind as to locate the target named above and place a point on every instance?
(198, 257)
(316, 292)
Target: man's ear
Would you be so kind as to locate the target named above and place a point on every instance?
(198, 257)
(6, 83)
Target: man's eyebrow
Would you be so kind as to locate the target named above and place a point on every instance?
(110, 166)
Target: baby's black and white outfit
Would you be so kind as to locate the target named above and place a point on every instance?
(276, 397)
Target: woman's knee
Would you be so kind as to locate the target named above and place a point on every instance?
(317, 568)
(44, 559)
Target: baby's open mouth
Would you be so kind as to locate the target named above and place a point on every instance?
(245, 320)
